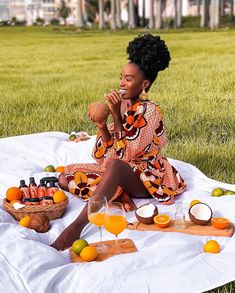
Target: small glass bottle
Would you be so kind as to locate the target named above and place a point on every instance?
(179, 216)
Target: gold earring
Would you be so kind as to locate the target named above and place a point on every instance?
(143, 95)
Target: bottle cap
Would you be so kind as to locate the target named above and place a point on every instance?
(42, 182)
(22, 183)
(31, 179)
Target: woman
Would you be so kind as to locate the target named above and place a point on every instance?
(127, 152)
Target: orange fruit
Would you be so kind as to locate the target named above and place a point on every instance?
(89, 253)
(13, 193)
(193, 202)
(79, 245)
(211, 246)
(219, 223)
(162, 221)
(59, 169)
(25, 221)
(59, 196)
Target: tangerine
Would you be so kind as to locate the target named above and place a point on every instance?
(25, 221)
(162, 221)
(89, 253)
(220, 223)
(211, 246)
(193, 202)
(59, 169)
(13, 193)
(78, 245)
(59, 196)
(217, 192)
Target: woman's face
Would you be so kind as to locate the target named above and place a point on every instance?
(132, 81)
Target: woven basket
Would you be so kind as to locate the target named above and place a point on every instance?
(53, 211)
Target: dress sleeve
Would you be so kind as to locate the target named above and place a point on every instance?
(142, 126)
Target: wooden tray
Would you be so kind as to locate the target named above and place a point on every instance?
(125, 246)
(190, 228)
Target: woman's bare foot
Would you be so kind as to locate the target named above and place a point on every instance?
(66, 238)
(127, 202)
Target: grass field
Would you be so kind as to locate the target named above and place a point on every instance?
(49, 76)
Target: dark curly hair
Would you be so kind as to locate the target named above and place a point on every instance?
(150, 54)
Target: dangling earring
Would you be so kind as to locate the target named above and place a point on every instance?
(143, 95)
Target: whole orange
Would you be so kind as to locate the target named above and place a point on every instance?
(13, 193)
(59, 196)
(59, 169)
(211, 246)
(25, 221)
(89, 253)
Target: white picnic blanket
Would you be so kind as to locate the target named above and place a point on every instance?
(165, 261)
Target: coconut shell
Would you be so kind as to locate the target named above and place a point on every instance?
(98, 111)
(146, 220)
(40, 223)
(198, 221)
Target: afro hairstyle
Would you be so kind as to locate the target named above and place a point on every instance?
(150, 54)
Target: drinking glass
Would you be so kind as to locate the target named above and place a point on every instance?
(96, 215)
(115, 220)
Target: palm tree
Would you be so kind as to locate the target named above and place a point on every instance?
(231, 9)
(131, 14)
(64, 11)
(158, 19)
(205, 13)
(178, 13)
(215, 14)
(101, 14)
(198, 3)
(151, 18)
(80, 21)
(118, 14)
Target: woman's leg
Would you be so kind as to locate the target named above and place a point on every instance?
(118, 173)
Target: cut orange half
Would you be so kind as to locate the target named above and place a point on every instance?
(162, 221)
(193, 202)
(219, 223)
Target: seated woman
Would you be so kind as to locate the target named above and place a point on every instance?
(128, 151)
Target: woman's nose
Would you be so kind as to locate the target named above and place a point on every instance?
(122, 83)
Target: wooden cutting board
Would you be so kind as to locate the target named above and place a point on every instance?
(125, 246)
(190, 228)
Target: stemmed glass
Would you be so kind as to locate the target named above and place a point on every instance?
(96, 215)
(115, 220)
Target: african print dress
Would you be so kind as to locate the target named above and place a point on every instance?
(140, 145)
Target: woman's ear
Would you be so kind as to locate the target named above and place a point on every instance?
(146, 84)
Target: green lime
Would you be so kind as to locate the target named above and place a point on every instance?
(217, 192)
(49, 168)
(229, 192)
(72, 137)
(78, 245)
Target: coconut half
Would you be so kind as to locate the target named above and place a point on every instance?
(146, 213)
(200, 214)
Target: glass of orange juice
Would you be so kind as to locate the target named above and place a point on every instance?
(115, 220)
(96, 215)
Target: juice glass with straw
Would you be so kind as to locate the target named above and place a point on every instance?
(96, 215)
(115, 220)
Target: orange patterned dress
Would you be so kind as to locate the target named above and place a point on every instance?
(140, 145)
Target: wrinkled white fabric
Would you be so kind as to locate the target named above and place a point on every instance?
(165, 261)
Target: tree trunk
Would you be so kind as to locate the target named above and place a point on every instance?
(205, 13)
(198, 7)
(222, 7)
(101, 14)
(113, 16)
(179, 13)
(118, 13)
(131, 13)
(231, 9)
(80, 22)
(143, 13)
(158, 18)
(151, 14)
(215, 14)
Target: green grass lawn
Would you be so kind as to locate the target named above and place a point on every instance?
(48, 76)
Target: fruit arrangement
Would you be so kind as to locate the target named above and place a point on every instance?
(51, 168)
(78, 136)
(86, 252)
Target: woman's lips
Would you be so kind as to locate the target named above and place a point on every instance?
(122, 92)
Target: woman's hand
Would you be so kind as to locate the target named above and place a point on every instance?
(114, 103)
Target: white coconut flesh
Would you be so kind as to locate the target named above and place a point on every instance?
(146, 211)
(201, 212)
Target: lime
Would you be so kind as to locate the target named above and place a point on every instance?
(217, 192)
(49, 168)
(229, 192)
(72, 137)
(78, 245)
